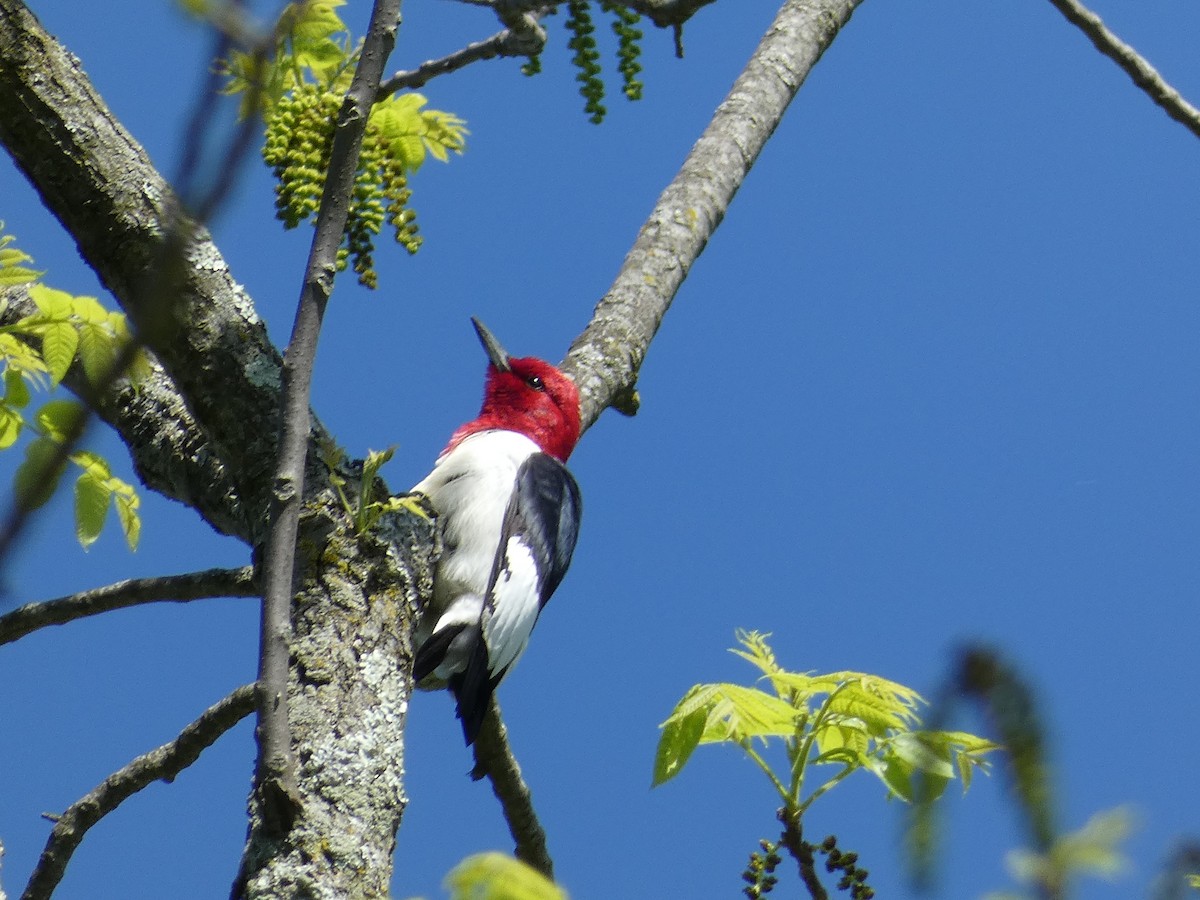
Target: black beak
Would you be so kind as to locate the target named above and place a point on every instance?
(495, 352)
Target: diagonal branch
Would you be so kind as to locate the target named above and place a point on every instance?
(494, 759)
(171, 452)
(275, 784)
(524, 39)
(164, 763)
(605, 358)
(1144, 75)
(168, 588)
(95, 178)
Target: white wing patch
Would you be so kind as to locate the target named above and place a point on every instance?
(515, 604)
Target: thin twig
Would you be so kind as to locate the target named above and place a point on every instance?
(494, 759)
(164, 763)
(167, 588)
(1144, 75)
(275, 782)
(523, 41)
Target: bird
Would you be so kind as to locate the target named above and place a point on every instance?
(509, 512)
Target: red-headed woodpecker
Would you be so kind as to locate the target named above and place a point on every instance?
(509, 512)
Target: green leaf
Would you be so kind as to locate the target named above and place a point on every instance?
(314, 21)
(411, 132)
(735, 713)
(11, 274)
(371, 465)
(16, 389)
(967, 751)
(322, 56)
(127, 513)
(53, 304)
(879, 714)
(58, 419)
(11, 423)
(97, 351)
(20, 356)
(680, 736)
(905, 756)
(59, 343)
(96, 466)
(89, 309)
(851, 740)
(34, 481)
(92, 499)
(496, 876)
(757, 652)
(880, 704)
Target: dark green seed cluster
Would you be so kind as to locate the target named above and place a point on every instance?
(299, 137)
(853, 878)
(629, 47)
(760, 872)
(586, 58)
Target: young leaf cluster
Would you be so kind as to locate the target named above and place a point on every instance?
(365, 510)
(586, 57)
(35, 354)
(847, 720)
(840, 721)
(299, 92)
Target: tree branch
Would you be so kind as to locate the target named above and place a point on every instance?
(526, 39)
(97, 180)
(168, 588)
(276, 786)
(801, 851)
(1144, 75)
(164, 763)
(494, 759)
(170, 451)
(605, 359)
(662, 13)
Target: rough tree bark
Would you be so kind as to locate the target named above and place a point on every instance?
(202, 429)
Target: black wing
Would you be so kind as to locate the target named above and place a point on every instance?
(543, 517)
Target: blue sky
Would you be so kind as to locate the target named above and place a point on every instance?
(934, 381)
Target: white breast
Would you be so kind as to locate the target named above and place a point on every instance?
(470, 488)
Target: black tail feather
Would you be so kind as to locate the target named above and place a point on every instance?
(431, 653)
(473, 692)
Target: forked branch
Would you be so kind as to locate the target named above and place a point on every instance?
(526, 38)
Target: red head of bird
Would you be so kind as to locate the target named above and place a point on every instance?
(526, 395)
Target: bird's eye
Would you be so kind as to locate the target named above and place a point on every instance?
(535, 382)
